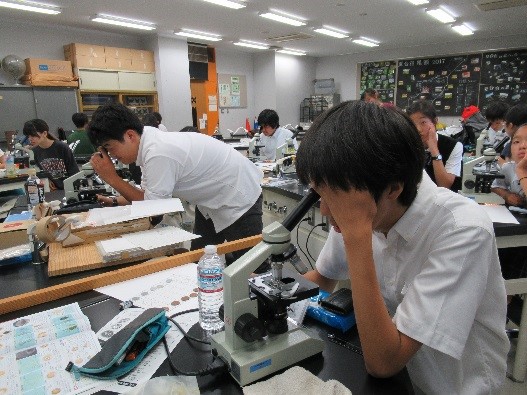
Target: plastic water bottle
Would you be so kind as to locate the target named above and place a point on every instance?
(34, 189)
(210, 294)
(10, 168)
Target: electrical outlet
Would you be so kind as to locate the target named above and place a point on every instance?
(311, 215)
(326, 226)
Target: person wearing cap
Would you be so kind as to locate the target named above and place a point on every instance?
(444, 154)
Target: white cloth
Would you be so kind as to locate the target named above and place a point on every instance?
(510, 182)
(495, 136)
(296, 381)
(162, 127)
(273, 142)
(197, 168)
(455, 160)
(440, 277)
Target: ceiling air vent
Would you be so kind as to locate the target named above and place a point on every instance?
(290, 37)
(499, 4)
(198, 53)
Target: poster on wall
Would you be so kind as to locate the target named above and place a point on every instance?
(381, 77)
(450, 82)
(225, 95)
(232, 91)
(503, 78)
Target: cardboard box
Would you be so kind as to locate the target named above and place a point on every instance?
(92, 62)
(142, 55)
(36, 66)
(118, 64)
(117, 53)
(143, 65)
(96, 51)
(14, 233)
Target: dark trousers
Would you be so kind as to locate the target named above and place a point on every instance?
(249, 224)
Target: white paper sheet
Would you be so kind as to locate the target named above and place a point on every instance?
(500, 214)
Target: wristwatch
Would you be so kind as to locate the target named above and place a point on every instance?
(438, 157)
(114, 201)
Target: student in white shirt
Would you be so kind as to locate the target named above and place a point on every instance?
(272, 135)
(2, 159)
(222, 183)
(427, 287)
(160, 126)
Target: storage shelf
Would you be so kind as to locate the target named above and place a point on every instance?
(141, 103)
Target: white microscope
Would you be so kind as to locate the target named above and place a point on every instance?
(83, 185)
(258, 340)
(478, 175)
(254, 148)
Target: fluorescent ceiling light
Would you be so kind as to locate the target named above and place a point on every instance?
(198, 35)
(118, 21)
(419, 2)
(330, 32)
(227, 3)
(463, 29)
(31, 6)
(366, 42)
(251, 44)
(441, 15)
(292, 52)
(281, 18)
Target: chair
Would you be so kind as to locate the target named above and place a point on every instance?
(518, 286)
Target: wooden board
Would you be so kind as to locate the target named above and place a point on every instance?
(64, 260)
(69, 288)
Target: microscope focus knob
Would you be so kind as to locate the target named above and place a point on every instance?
(249, 328)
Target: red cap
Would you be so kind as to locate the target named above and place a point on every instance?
(468, 112)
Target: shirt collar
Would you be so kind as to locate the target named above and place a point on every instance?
(411, 221)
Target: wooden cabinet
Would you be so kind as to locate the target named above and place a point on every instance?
(141, 103)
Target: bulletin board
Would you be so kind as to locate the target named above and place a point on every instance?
(503, 78)
(381, 77)
(450, 82)
(232, 91)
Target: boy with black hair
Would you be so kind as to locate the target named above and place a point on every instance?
(515, 116)
(444, 154)
(495, 115)
(78, 140)
(272, 135)
(222, 183)
(427, 288)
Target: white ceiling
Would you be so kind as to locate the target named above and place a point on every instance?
(395, 23)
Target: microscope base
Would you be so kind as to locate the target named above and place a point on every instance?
(267, 356)
(482, 198)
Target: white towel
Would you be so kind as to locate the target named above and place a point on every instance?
(296, 381)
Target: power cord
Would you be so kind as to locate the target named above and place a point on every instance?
(209, 369)
(298, 242)
(309, 235)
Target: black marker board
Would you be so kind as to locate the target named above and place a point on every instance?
(450, 82)
(381, 77)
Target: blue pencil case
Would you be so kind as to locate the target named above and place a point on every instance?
(124, 351)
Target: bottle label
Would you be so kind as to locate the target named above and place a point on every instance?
(210, 280)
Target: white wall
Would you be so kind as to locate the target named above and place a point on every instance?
(32, 40)
(173, 81)
(230, 62)
(264, 81)
(294, 82)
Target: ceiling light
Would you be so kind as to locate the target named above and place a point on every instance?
(118, 21)
(282, 18)
(227, 3)
(31, 6)
(441, 15)
(463, 29)
(198, 35)
(419, 2)
(331, 32)
(251, 44)
(292, 52)
(368, 42)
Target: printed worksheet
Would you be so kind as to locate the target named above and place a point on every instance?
(35, 349)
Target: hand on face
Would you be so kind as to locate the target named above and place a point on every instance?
(103, 165)
(350, 212)
(521, 167)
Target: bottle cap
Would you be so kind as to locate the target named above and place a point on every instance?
(210, 249)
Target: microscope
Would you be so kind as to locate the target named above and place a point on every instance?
(254, 148)
(24, 156)
(478, 175)
(84, 185)
(258, 340)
